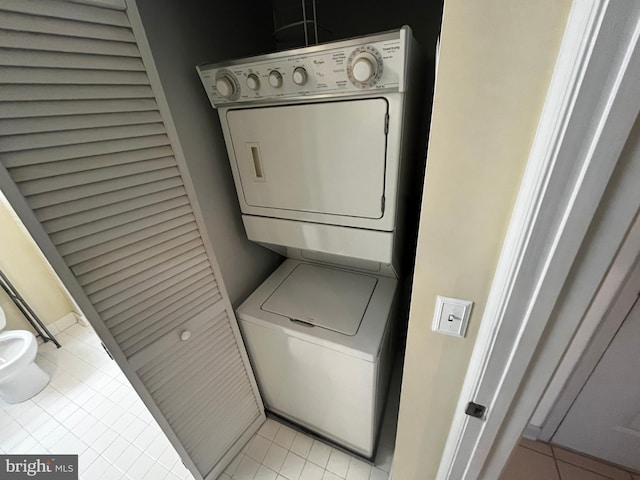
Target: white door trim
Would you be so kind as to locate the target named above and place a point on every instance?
(592, 103)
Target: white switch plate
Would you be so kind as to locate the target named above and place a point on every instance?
(451, 316)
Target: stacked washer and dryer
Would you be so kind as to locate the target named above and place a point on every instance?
(320, 141)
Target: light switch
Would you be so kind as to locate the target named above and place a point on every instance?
(451, 316)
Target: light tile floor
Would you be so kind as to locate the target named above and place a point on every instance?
(278, 452)
(90, 409)
(541, 461)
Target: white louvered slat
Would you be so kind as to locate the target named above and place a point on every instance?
(191, 377)
(139, 225)
(46, 8)
(169, 318)
(148, 356)
(49, 76)
(118, 220)
(111, 308)
(104, 200)
(32, 93)
(199, 433)
(76, 179)
(154, 271)
(105, 186)
(195, 294)
(87, 216)
(240, 419)
(110, 246)
(32, 23)
(152, 307)
(32, 58)
(132, 346)
(59, 43)
(133, 249)
(197, 279)
(113, 4)
(12, 143)
(225, 395)
(85, 142)
(163, 321)
(62, 167)
(231, 400)
(160, 258)
(166, 279)
(126, 259)
(19, 110)
(46, 155)
(76, 122)
(224, 388)
(158, 379)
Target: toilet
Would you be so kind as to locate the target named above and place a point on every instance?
(20, 377)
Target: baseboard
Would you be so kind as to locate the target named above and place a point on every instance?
(532, 432)
(82, 320)
(65, 322)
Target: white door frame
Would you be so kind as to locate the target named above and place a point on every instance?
(592, 104)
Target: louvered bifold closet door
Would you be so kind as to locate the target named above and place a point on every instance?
(82, 137)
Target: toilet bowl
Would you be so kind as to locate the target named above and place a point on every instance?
(20, 377)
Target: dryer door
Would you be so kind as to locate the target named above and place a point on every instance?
(326, 158)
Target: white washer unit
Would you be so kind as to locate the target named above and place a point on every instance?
(318, 140)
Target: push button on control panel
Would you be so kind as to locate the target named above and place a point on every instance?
(275, 79)
(253, 82)
(299, 76)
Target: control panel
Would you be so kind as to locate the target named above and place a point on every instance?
(350, 67)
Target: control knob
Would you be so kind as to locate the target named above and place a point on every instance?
(364, 67)
(275, 79)
(225, 86)
(299, 76)
(253, 82)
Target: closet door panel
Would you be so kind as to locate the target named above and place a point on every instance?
(87, 162)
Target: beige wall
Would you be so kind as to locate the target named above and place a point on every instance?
(30, 274)
(496, 61)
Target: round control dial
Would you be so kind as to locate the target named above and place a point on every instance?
(275, 79)
(227, 85)
(224, 86)
(253, 82)
(300, 76)
(364, 67)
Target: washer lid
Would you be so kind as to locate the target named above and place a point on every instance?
(3, 319)
(324, 297)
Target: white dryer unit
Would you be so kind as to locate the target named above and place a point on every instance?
(319, 141)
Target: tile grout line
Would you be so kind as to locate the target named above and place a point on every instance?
(534, 450)
(555, 462)
(588, 469)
